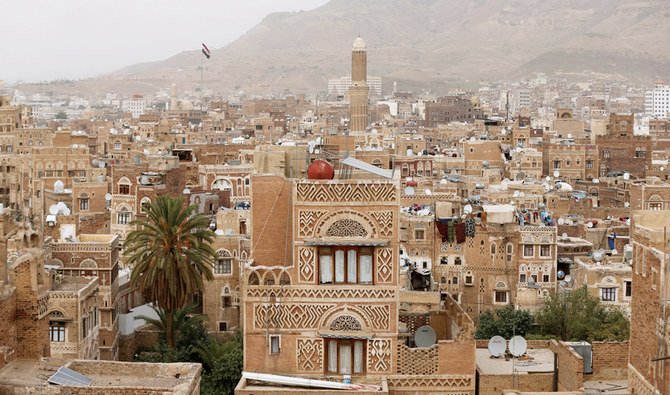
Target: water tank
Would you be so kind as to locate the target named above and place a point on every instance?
(584, 350)
(320, 170)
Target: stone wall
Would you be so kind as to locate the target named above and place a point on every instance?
(570, 367)
(610, 360)
(142, 339)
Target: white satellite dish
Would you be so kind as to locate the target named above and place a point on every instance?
(428, 192)
(186, 191)
(467, 209)
(53, 209)
(518, 346)
(561, 221)
(557, 173)
(59, 186)
(66, 211)
(497, 346)
(101, 164)
(626, 176)
(568, 278)
(597, 256)
(564, 235)
(409, 191)
(108, 197)
(548, 178)
(219, 232)
(425, 337)
(589, 224)
(516, 194)
(615, 252)
(626, 204)
(595, 180)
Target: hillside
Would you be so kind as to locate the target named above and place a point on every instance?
(433, 43)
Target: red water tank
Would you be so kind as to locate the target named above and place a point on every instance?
(411, 183)
(320, 170)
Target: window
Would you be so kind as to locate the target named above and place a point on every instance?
(144, 205)
(223, 326)
(457, 260)
(345, 356)
(589, 164)
(124, 189)
(226, 301)
(419, 234)
(557, 164)
(224, 263)
(606, 154)
(117, 145)
(493, 248)
(522, 277)
(628, 286)
(468, 279)
(656, 206)
(640, 152)
(56, 331)
(545, 278)
(608, 294)
(454, 281)
(528, 250)
(545, 250)
(83, 203)
(84, 328)
(342, 265)
(275, 345)
(123, 218)
(501, 296)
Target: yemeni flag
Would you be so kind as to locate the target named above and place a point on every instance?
(205, 51)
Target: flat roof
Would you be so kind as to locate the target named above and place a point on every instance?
(537, 360)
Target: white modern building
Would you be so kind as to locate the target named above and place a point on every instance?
(657, 101)
(135, 106)
(340, 86)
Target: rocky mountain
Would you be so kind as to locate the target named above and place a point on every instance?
(433, 44)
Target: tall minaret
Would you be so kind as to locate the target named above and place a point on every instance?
(358, 92)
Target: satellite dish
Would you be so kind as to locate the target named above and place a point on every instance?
(101, 164)
(564, 235)
(497, 346)
(597, 256)
(467, 209)
(186, 191)
(568, 278)
(53, 209)
(626, 176)
(425, 337)
(595, 180)
(615, 252)
(548, 178)
(409, 191)
(516, 194)
(626, 204)
(108, 197)
(518, 346)
(557, 173)
(94, 162)
(560, 274)
(589, 224)
(219, 232)
(561, 221)
(59, 186)
(428, 192)
(66, 211)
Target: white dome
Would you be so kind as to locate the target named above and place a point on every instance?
(359, 44)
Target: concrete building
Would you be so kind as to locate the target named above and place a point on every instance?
(340, 86)
(657, 101)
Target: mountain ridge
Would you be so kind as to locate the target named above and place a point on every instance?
(433, 44)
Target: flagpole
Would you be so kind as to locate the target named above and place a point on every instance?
(202, 54)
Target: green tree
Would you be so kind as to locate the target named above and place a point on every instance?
(170, 254)
(577, 316)
(222, 363)
(60, 115)
(505, 322)
(185, 324)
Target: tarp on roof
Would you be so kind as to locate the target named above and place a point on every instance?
(360, 165)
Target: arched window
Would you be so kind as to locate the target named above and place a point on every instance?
(83, 202)
(224, 262)
(494, 247)
(253, 279)
(144, 204)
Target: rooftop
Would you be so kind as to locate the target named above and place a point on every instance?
(539, 360)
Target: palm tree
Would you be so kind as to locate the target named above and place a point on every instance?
(183, 321)
(170, 253)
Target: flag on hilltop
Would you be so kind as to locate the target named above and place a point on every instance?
(205, 51)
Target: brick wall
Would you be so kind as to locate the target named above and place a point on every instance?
(8, 343)
(570, 367)
(532, 344)
(270, 236)
(141, 340)
(530, 382)
(32, 331)
(610, 360)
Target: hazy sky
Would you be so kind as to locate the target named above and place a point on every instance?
(49, 39)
